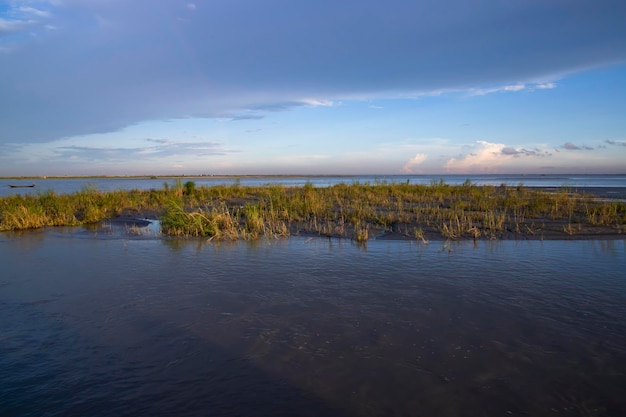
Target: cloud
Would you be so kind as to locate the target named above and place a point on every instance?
(505, 88)
(34, 12)
(15, 18)
(411, 167)
(11, 26)
(100, 71)
(510, 88)
(163, 148)
(161, 141)
(615, 142)
(571, 147)
(238, 117)
(317, 103)
(517, 152)
(487, 157)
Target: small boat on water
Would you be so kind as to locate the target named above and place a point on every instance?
(22, 186)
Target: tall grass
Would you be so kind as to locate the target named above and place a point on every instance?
(356, 211)
(86, 206)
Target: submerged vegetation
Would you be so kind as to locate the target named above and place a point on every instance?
(356, 211)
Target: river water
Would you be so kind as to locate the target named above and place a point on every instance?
(71, 185)
(118, 321)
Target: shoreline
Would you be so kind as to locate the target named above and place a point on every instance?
(552, 231)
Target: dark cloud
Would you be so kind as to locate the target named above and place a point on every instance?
(571, 147)
(614, 142)
(162, 141)
(114, 63)
(523, 152)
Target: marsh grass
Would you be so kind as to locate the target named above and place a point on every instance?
(84, 207)
(356, 211)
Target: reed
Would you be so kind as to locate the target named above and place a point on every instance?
(356, 211)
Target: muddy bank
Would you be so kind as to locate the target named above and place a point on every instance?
(449, 223)
(612, 193)
(549, 230)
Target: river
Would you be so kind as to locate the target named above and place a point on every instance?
(123, 322)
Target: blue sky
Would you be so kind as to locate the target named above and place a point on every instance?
(123, 87)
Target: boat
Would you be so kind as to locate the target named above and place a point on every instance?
(22, 186)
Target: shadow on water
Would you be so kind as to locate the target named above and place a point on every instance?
(52, 369)
(59, 356)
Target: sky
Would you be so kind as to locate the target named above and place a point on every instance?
(128, 87)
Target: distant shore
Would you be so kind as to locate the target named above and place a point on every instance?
(166, 177)
(519, 177)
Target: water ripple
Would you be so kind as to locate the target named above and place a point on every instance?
(310, 327)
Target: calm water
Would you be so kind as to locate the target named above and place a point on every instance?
(111, 323)
(66, 186)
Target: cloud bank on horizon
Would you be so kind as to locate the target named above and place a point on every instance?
(73, 70)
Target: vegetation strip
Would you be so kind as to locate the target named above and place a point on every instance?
(356, 211)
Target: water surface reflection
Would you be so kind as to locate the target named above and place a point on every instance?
(119, 325)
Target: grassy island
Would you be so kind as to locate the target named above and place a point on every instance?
(355, 211)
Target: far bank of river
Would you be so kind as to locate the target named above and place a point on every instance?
(598, 183)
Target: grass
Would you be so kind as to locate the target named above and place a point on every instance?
(356, 211)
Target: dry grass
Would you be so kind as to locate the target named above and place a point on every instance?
(356, 211)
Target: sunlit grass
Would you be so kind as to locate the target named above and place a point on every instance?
(356, 211)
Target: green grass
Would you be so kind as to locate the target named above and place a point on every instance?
(356, 211)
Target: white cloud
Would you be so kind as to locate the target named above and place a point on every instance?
(483, 157)
(517, 87)
(512, 88)
(10, 26)
(35, 12)
(486, 157)
(20, 23)
(411, 167)
(545, 86)
(317, 103)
